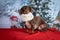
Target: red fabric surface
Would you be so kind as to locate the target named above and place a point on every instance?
(20, 34)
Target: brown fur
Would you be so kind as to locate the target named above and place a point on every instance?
(38, 21)
(25, 9)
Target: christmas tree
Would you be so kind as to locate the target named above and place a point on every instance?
(42, 7)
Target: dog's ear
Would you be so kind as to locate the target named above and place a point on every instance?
(31, 9)
(21, 11)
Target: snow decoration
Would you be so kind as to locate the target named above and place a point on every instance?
(9, 8)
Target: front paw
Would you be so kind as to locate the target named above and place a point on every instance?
(27, 31)
(33, 32)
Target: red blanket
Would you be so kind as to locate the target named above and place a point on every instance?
(20, 34)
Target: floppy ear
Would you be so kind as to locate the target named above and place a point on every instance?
(31, 9)
(21, 11)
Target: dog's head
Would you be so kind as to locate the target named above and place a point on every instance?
(25, 10)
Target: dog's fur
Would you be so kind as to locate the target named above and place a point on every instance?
(36, 23)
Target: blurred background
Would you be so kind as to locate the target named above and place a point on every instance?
(48, 9)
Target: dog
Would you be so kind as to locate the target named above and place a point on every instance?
(30, 21)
